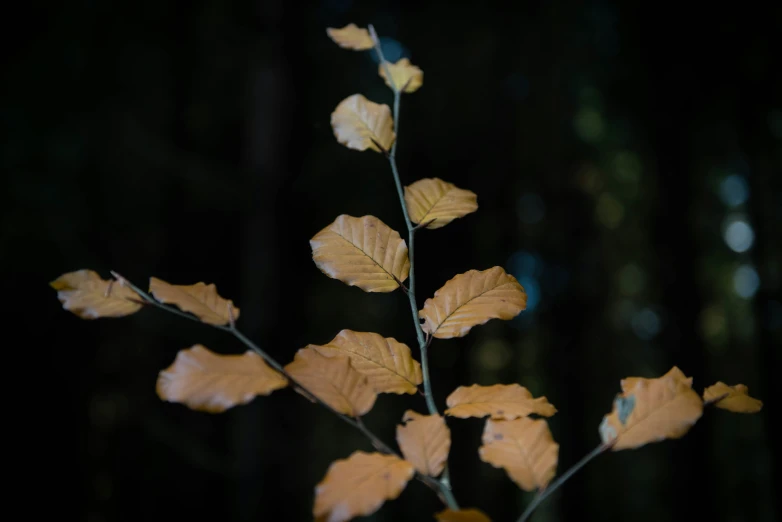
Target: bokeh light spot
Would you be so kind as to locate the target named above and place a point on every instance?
(532, 288)
(589, 125)
(610, 212)
(628, 167)
(738, 235)
(646, 324)
(746, 281)
(734, 190)
(494, 354)
(631, 279)
(530, 208)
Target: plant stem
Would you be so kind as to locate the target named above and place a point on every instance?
(561, 480)
(445, 479)
(441, 489)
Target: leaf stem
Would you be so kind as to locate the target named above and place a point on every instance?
(561, 480)
(443, 492)
(445, 480)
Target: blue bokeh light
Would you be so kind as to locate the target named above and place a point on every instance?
(746, 281)
(739, 235)
(734, 190)
(393, 50)
(646, 324)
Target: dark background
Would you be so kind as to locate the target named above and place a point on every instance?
(627, 164)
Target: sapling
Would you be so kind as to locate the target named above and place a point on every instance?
(346, 375)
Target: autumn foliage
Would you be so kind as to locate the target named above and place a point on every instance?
(346, 374)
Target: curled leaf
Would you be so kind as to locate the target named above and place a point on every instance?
(86, 295)
(351, 37)
(405, 76)
(471, 299)
(387, 363)
(334, 381)
(524, 448)
(425, 442)
(360, 124)
(462, 515)
(199, 299)
(362, 252)
(205, 381)
(501, 401)
(438, 202)
(359, 485)
(732, 398)
(651, 410)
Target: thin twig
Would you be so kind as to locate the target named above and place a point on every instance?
(423, 343)
(561, 480)
(356, 422)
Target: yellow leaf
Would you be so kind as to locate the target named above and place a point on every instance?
(501, 401)
(351, 37)
(199, 299)
(358, 485)
(334, 381)
(524, 448)
(438, 201)
(386, 362)
(404, 75)
(425, 441)
(462, 515)
(471, 299)
(362, 252)
(360, 124)
(86, 295)
(732, 398)
(650, 410)
(205, 381)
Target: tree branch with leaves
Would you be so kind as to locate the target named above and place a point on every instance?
(346, 374)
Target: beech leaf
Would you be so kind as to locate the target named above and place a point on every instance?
(387, 363)
(351, 37)
(86, 295)
(524, 448)
(205, 381)
(360, 124)
(438, 202)
(334, 381)
(362, 252)
(406, 76)
(471, 299)
(359, 485)
(199, 299)
(501, 401)
(732, 398)
(651, 410)
(425, 442)
(462, 515)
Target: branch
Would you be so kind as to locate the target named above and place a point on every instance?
(444, 481)
(356, 422)
(561, 480)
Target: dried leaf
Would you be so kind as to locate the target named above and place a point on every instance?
(362, 252)
(387, 363)
(734, 398)
(205, 381)
(351, 37)
(462, 515)
(501, 401)
(199, 299)
(524, 448)
(334, 381)
(86, 295)
(425, 441)
(438, 201)
(360, 124)
(471, 299)
(404, 75)
(358, 485)
(650, 410)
